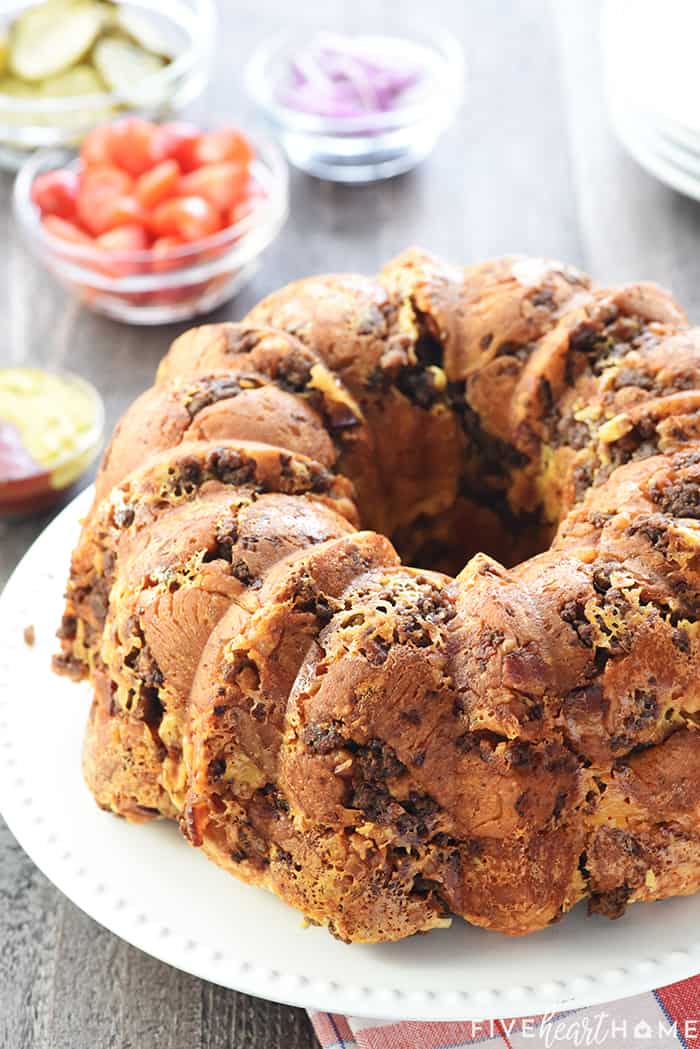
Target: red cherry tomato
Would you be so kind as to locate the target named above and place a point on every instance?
(251, 198)
(191, 218)
(67, 231)
(163, 260)
(105, 177)
(221, 184)
(99, 185)
(105, 201)
(157, 184)
(162, 251)
(96, 146)
(131, 237)
(121, 242)
(135, 145)
(215, 147)
(179, 140)
(124, 211)
(101, 214)
(55, 192)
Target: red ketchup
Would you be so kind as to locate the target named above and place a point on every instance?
(24, 483)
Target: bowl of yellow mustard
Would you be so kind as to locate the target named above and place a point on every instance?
(51, 429)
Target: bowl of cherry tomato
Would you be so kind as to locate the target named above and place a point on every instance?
(153, 223)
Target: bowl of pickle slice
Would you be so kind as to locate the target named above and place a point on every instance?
(67, 65)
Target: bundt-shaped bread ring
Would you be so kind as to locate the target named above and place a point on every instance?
(385, 746)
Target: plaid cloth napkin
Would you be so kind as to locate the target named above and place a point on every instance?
(662, 1019)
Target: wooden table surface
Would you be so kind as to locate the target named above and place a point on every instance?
(530, 166)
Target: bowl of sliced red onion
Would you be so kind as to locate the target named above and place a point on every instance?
(357, 107)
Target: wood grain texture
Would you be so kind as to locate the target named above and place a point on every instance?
(529, 166)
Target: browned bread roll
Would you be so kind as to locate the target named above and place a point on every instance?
(386, 746)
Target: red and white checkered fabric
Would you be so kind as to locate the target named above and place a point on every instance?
(662, 1019)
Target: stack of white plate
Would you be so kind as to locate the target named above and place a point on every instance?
(652, 65)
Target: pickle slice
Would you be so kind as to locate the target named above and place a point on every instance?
(12, 85)
(49, 39)
(145, 31)
(15, 88)
(81, 80)
(4, 53)
(123, 64)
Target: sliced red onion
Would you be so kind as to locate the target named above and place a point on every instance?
(338, 76)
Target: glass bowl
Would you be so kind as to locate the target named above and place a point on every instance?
(33, 123)
(375, 145)
(28, 485)
(141, 287)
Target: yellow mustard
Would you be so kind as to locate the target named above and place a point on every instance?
(56, 417)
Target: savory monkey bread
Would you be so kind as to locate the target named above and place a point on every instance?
(384, 745)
